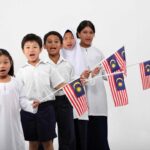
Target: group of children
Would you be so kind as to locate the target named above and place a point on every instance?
(33, 87)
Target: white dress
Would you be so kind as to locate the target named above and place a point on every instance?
(11, 100)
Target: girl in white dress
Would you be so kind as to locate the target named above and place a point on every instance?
(72, 52)
(96, 94)
(12, 99)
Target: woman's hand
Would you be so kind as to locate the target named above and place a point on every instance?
(95, 71)
(85, 74)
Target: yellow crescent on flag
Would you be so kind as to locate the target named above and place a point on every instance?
(119, 82)
(147, 68)
(78, 89)
(113, 63)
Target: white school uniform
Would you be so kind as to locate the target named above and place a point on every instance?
(74, 56)
(12, 99)
(65, 69)
(40, 80)
(96, 93)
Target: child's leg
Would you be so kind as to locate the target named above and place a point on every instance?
(81, 127)
(97, 133)
(33, 145)
(64, 118)
(48, 145)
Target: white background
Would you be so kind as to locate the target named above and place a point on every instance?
(118, 23)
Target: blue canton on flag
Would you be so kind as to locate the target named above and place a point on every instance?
(147, 68)
(113, 64)
(119, 81)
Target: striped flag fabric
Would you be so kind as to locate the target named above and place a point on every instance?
(121, 58)
(76, 95)
(116, 81)
(145, 74)
(118, 89)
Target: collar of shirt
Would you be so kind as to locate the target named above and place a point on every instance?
(40, 62)
(60, 60)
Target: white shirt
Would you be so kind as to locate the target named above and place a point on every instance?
(96, 93)
(65, 69)
(39, 81)
(12, 99)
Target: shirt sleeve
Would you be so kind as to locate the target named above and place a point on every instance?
(25, 104)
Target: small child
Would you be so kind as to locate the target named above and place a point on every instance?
(39, 79)
(63, 108)
(12, 97)
(72, 52)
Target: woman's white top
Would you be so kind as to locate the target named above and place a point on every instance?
(39, 81)
(12, 99)
(96, 93)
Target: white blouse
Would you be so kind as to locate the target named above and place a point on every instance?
(12, 99)
(96, 93)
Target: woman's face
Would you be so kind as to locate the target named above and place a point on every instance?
(68, 41)
(86, 36)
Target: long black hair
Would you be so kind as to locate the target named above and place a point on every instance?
(6, 53)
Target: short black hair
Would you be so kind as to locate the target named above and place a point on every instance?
(31, 37)
(6, 53)
(83, 24)
(53, 33)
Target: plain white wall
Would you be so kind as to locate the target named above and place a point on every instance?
(118, 23)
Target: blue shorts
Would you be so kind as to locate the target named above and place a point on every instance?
(39, 126)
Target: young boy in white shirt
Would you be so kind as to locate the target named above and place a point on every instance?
(39, 79)
(63, 109)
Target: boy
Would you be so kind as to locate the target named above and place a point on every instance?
(63, 109)
(39, 79)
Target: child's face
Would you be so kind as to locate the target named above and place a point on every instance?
(86, 36)
(53, 45)
(68, 41)
(5, 65)
(32, 50)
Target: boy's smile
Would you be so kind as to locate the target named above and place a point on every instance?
(53, 45)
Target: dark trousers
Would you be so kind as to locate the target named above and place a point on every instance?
(40, 147)
(81, 134)
(97, 133)
(65, 122)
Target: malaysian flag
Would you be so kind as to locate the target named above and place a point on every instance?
(121, 58)
(145, 74)
(116, 81)
(76, 95)
(111, 64)
(118, 89)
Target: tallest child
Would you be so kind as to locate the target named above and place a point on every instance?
(97, 100)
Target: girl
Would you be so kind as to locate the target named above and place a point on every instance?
(11, 99)
(97, 125)
(72, 52)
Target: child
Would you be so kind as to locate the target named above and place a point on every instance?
(63, 108)
(39, 79)
(97, 100)
(12, 98)
(72, 52)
